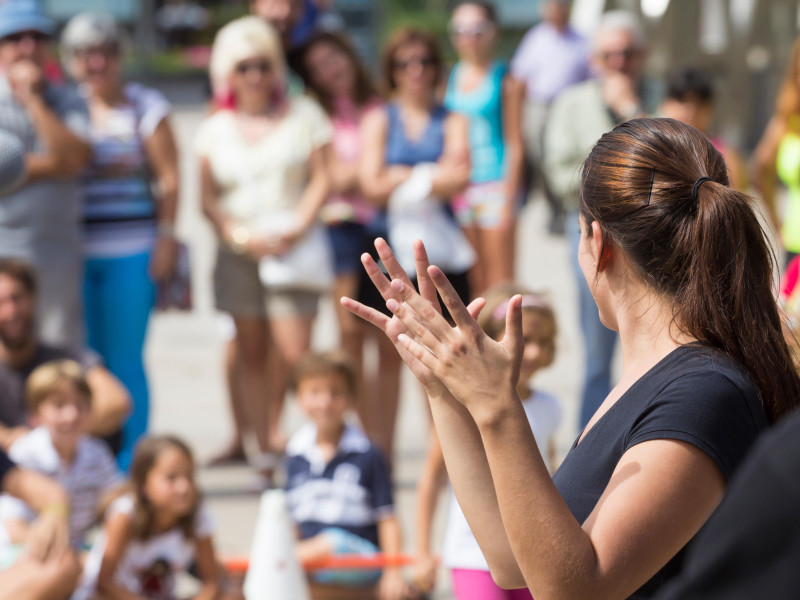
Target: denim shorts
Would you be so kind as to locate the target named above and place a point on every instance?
(344, 542)
(349, 241)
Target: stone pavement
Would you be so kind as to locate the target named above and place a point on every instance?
(184, 357)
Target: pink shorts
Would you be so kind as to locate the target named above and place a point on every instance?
(472, 584)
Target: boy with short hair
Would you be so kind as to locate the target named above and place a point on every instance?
(338, 484)
(59, 400)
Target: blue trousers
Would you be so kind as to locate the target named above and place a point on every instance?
(118, 298)
(598, 340)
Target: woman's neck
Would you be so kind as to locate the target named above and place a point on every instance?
(478, 63)
(415, 101)
(108, 96)
(255, 107)
(647, 331)
(344, 106)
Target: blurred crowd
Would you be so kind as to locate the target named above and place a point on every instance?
(306, 158)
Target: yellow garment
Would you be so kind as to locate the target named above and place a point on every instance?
(788, 168)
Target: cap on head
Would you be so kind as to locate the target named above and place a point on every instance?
(17, 16)
(87, 30)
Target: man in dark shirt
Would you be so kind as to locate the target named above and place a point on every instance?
(21, 352)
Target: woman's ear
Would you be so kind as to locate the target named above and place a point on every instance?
(601, 247)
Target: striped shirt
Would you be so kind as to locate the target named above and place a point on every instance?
(91, 475)
(120, 213)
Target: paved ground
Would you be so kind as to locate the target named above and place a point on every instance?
(189, 398)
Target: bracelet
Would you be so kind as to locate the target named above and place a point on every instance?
(239, 237)
(166, 230)
(59, 509)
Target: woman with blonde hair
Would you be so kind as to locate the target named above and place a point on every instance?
(777, 156)
(263, 180)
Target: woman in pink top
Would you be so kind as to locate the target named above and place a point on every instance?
(333, 72)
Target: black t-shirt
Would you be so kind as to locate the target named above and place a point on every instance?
(750, 547)
(13, 412)
(696, 395)
(5, 466)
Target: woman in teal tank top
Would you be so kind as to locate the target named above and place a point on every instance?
(480, 88)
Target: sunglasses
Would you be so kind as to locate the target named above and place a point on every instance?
(262, 66)
(36, 36)
(108, 51)
(626, 53)
(421, 61)
(476, 30)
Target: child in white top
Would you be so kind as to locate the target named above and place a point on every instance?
(155, 533)
(460, 552)
(59, 399)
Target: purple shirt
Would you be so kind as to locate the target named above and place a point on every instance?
(548, 61)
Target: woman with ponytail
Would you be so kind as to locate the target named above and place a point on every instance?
(678, 264)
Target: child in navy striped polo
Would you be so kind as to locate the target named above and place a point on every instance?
(338, 484)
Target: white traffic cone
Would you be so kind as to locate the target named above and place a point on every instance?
(274, 573)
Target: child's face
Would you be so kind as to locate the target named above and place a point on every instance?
(170, 483)
(325, 398)
(537, 335)
(64, 414)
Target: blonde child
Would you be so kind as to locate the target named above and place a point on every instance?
(460, 552)
(154, 533)
(60, 400)
(338, 484)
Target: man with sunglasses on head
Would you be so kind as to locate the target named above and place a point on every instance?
(551, 57)
(578, 117)
(40, 221)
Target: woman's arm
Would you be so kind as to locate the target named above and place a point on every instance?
(162, 156)
(117, 530)
(764, 157)
(391, 585)
(513, 101)
(464, 455)
(316, 191)
(376, 179)
(209, 201)
(428, 490)
(452, 176)
(660, 494)
(208, 569)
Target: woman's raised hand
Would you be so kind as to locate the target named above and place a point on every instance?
(481, 373)
(393, 327)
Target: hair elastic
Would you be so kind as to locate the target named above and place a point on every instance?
(528, 301)
(697, 185)
(652, 179)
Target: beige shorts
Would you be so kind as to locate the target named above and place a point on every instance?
(239, 292)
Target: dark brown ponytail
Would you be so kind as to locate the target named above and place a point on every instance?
(706, 251)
